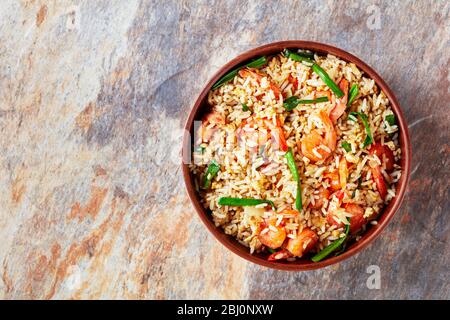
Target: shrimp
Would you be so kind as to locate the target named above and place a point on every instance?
(256, 74)
(338, 178)
(274, 236)
(252, 131)
(341, 103)
(210, 124)
(258, 131)
(304, 242)
(385, 155)
(343, 173)
(317, 147)
(310, 143)
(333, 179)
(357, 219)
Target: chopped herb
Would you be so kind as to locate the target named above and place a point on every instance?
(352, 94)
(245, 107)
(294, 171)
(230, 75)
(332, 247)
(300, 56)
(364, 119)
(211, 172)
(328, 81)
(243, 202)
(390, 118)
(347, 147)
(292, 102)
(271, 250)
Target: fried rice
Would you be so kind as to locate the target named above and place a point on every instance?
(247, 130)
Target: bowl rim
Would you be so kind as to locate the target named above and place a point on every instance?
(387, 213)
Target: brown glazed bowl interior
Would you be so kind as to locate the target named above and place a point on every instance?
(201, 107)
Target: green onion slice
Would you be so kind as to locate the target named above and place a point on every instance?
(347, 147)
(326, 78)
(230, 75)
(332, 247)
(243, 202)
(211, 172)
(303, 56)
(271, 250)
(352, 94)
(369, 139)
(390, 118)
(292, 102)
(341, 251)
(245, 107)
(256, 63)
(306, 57)
(294, 171)
(306, 54)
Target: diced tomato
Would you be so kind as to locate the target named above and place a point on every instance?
(357, 220)
(330, 216)
(276, 90)
(379, 181)
(294, 81)
(385, 155)
(331, 220)
(339, 195)
(322, 195)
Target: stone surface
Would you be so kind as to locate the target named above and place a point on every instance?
(93, 96)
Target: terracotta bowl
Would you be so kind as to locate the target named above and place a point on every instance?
(201, 107)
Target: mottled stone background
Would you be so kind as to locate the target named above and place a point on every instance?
(93, 96)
